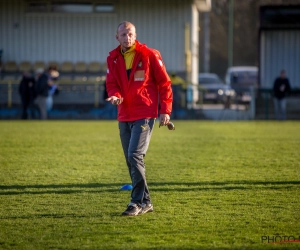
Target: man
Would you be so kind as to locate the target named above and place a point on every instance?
(136, 82)
(27, 93)
(53, 75)
(178, 84)
(280, 88)
(41, 89)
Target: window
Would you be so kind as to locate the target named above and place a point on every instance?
(104, 8)
(72, 7)
(35, 6)
(280, 16)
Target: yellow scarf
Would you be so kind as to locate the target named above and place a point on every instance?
(129, 56)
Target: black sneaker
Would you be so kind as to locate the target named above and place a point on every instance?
(146, 208)
(132, 210)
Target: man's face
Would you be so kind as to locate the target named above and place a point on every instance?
(282, 74)
(126, 36)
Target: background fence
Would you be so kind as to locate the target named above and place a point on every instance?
(85, 100)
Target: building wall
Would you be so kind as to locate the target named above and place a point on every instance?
(280, 49)
(89, 37)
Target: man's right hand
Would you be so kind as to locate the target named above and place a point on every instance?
(114, 100)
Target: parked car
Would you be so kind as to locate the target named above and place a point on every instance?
(240, 79)
(213, 88)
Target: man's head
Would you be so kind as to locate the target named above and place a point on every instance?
(26, 74)
(39, 71)
(282, 73)
(126, 35)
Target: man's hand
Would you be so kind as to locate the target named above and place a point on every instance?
(50, 83)
(164, 119)
(114, 100)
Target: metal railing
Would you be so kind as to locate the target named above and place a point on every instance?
(71, 91)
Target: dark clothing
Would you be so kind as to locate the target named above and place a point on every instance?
(27, 93)
(281, 87)
(42, 87)
(26, 87)
(105, 95)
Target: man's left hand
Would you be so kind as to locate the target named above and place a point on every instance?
(164, 119)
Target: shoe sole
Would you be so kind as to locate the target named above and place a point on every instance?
(135, 214)
(146, 211)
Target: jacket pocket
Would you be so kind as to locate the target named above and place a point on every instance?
(147, 97)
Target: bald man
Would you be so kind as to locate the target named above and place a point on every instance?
(137, 81)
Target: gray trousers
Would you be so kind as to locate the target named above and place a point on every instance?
(135, 137)
(41, 103)
(280, 108)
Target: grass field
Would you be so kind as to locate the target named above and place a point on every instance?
(214, 185)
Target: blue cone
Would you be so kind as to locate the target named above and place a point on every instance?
(126, 187)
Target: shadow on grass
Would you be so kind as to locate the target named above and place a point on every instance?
(154, 186)
(53, 216)
(79, 185)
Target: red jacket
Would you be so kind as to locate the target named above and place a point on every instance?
(149, 84)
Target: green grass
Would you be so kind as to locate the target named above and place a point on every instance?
(214, 185)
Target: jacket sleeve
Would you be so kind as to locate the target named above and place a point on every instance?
(163, 82)
(288, 87)
(20, 86)
(111, 83)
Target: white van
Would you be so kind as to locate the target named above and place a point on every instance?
(241, 78)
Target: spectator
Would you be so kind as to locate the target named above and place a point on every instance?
(42, 89)
(178, 88)
(27, 93)
(53, 75)
(281, 87)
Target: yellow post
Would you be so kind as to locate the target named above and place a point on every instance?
(188, 54)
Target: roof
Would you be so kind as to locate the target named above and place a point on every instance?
(243, 68)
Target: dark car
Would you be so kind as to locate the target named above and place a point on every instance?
(213, 88)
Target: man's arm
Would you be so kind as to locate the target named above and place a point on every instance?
(113, 91)
(288, 86)
(164, 86)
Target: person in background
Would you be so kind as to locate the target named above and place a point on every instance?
(27, 93)
(110, 111)
(136, 82)
(281, 88)
(53, 75)
(42, 92)
(178, 88)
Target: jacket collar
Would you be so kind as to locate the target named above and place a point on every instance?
(117, 51)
